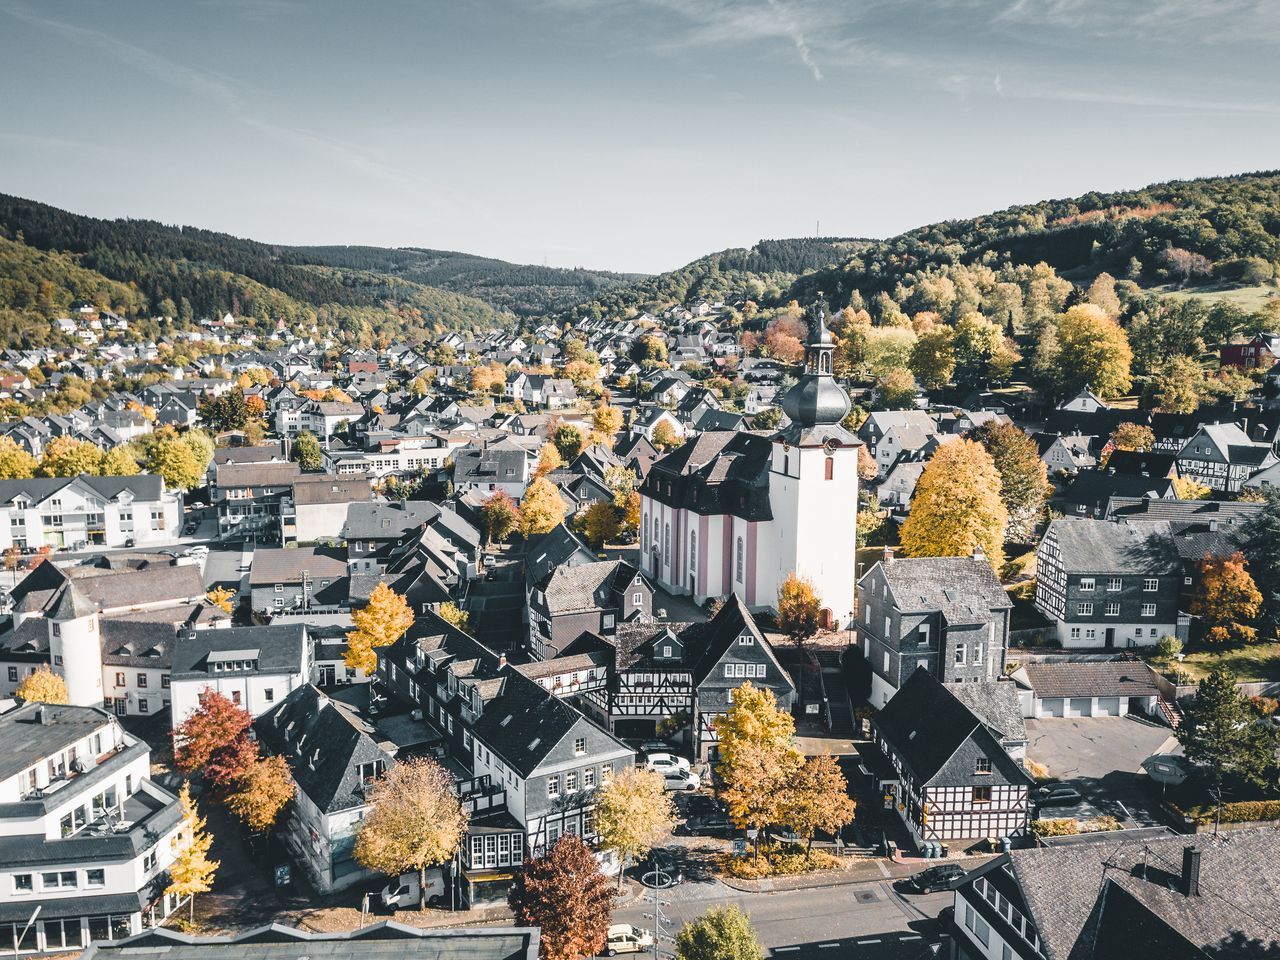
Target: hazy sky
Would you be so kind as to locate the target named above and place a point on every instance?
(619, 134)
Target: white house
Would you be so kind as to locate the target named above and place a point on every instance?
(254, 667)
(105, 511)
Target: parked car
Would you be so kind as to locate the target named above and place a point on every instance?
(403, 892)
(677, 779)
(1057, 797)
(941, 877)
(130, 542)
(700, 804)
(189, 529)
(662, 762)
(624, 938)
(655, 746)
(708, 825)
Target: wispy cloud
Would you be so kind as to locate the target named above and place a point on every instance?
(793, 31)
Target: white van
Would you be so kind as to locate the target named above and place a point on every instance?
(624, 938)
(403, 892)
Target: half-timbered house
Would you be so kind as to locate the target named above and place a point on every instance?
(944, 769)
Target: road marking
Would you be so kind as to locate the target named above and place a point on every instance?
(883, 869)
(864, 942)
(784, 949)
(824, 945)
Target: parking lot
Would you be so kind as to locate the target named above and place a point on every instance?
(1101, 757)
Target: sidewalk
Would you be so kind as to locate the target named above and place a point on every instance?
(863, 870)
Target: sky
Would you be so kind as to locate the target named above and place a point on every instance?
(630, 135)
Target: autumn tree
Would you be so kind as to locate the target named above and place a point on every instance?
(306, 451)
(1093, 351)
(758, 757)
(606, 421)
(42, 685)
(221, 598)
(68, 457)
(227, 411)
(564, 894)
(1177, 386)
(600, 523)
(957, 506)
(665, 436)
(415, 821)
(191, 871)
(1227, 599)
(1133, 436)
(501, 516)
(982, 352)
(933, 358)
(1218, 733)
(867, 469)
(799, 608)
(1024, 480)
(569, 440)
(455, 616)
(15, 462)
(897, 389)
(817, 798)
(488, 379)
(542, 509)
(549, 459)
(633, 813)
(174, 459)
(213, 726)
(380, 622)
(119, 462)
(261, 793)
(722, 933)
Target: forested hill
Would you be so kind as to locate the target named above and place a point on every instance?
(144, 269)
(1222, 230)
(763, 272)
(525, 289)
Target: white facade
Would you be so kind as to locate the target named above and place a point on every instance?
(256, 692)
(76, 512)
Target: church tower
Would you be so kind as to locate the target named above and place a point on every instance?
(813, 482)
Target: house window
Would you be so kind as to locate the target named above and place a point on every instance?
(960, 654)
(571, 782)
(589, 778)
(553, 786)
(1186, 581)
(637, 599)
(235, 697)
(120, 680)
(1112, 609)
(13, 674)
(978, 653)
(1148, 609)
(1150, 585)
(693, 551)
(606, 772)
(142, 681)
(22, 882)
(982, 765)
(1086, 583)
(1075, 633)
(830, 470)
(746, 640)
(580, 746)
(279, 588)
(738, 565)
(95, 878)
(1114, 584)
(269, 694)
(666, 654)
(981, 794)
(924, 635)
(1084, 609)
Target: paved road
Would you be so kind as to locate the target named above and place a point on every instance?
(869, 920)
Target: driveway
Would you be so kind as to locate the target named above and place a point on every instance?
(1101, 757)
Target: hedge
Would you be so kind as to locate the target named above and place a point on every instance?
(1242, 811)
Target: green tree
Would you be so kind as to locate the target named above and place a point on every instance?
(119, 462)
(957, 506)
(722, 933)
(1177, 385)
(306, 451)
(1024, 482)
(982, 352)
(569, 441)
(897, 389)
(227, 411)
(1219, 735)
(933, 358)
(1262, 539)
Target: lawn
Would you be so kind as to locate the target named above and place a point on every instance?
(1247, 298)
(1258, 661)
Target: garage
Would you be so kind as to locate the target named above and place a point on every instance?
(1080, 707)
(1107, 707)
(1052, 707)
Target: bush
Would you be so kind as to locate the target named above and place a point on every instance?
(1242, 811)
(1265, 706)
(1169, 647)
(1056, 827)
(778, 860)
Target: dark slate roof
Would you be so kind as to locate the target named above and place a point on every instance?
(1100, 546)
(715, 473)
(1095, 487)
(386, 521)
(553, 549)
(1114, 678)
(27, 740)
(585, 586)
(1065, 886)
(143, 486)
(324, 742)
(926, 723)
(1205, 511)
(281, 648)
(964, 589)
(386, 940)
(282, 565)
(707, 643)
(996, 703)
(1142, 463)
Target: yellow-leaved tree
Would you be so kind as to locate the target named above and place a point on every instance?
(68, 457)
(382, 621)
(957, 506)
(415, 822)
(758, 757)
(542, 509)
(42, 686)
(221, 598)
(818, 799)
(15, 463)
(261, 792)
(191, 871)
(633, 814)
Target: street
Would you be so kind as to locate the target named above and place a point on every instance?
(866, 920)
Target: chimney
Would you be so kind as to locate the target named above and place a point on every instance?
(888, 555)
(978, 552)
(502, 660)
(1191, 871)
(40, 716)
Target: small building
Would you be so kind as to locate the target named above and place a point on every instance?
(1113, 688)
(253, 667)
(294, 579)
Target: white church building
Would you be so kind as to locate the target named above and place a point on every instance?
(736, 512)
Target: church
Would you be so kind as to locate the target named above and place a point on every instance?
(737, 512)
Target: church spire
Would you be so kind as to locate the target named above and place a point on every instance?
(816, 398)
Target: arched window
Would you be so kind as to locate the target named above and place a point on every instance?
(693, 551)
(666, 545)
(740, 560)
(831, 468)
(786, 463)
(824, 363)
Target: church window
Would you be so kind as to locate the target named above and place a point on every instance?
(739, 560)
(831, 468)
(786, 463)
(666, 544)
(693, 551)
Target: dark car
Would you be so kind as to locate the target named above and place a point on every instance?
(708, 825)
(941, 877)
(189, 529)
(1058, 797)
(699, 804)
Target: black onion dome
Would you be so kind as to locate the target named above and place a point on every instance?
(816, 398)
